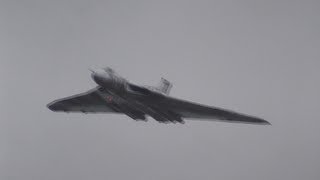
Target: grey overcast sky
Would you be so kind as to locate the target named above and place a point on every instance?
(254, 57)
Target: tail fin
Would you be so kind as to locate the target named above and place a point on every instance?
(164, 86)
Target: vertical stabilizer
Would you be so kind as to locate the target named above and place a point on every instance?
(164, 86)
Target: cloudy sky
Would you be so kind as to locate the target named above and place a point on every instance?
(254, 57)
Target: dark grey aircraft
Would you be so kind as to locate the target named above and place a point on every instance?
(115, 94)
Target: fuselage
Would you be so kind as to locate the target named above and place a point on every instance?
(136, 98)
(118, 85)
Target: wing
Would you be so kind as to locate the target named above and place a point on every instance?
(197, 111)
(91, 101)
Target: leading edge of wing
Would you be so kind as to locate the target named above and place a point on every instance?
(191, 110)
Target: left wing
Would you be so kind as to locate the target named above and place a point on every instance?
(90, 101)
(187, 109)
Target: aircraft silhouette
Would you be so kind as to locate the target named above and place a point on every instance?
(115, 94)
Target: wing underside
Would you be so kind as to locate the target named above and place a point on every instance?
(190, 110)
(90, 101)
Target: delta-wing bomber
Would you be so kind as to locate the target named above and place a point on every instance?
(115, 94)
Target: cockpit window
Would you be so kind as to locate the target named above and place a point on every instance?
(109, 70)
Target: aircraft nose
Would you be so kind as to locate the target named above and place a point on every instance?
(101, 77)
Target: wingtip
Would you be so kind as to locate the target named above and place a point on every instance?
(268, 123)
(49, 106)
(264, 122)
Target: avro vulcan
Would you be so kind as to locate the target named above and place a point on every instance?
(114, 94)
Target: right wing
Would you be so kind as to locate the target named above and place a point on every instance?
(91, 101)
(197, 111)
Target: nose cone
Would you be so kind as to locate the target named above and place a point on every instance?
(101, 77)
